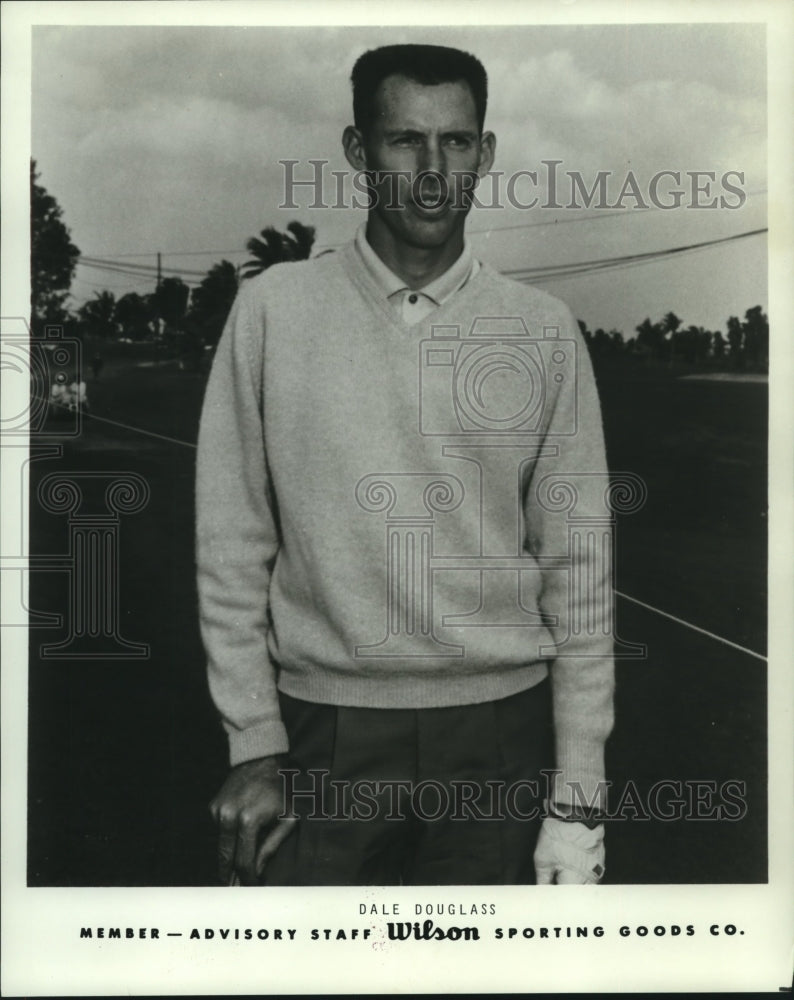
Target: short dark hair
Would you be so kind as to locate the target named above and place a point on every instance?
(425, 64)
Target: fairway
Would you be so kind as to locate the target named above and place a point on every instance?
(126, 754)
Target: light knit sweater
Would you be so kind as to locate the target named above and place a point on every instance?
(383, 518)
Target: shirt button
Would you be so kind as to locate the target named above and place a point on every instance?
(413, 299)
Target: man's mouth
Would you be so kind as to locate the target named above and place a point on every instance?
(430, 208)
(431, 195)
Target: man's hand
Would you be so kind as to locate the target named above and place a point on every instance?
(247, 808)
(569, 853)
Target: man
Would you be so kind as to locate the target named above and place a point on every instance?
(422, 690)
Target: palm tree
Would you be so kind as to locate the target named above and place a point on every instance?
(275, 248)
(756, 336)
(170, 300)
(670, 324)
(735, 340)
(134, 314)
(98, 315)
(650, 338)
(210, 303)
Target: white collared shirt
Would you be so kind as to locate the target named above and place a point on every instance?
(412, 305)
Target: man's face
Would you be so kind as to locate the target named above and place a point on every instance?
(425, 147)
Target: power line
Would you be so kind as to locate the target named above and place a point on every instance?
(150, 276)
(604, 263)
(611, 268)
(105, 285)
(170, 253)
(565, 220)
(628, 213)
(639, 256)
(140, 268)
(549, 272)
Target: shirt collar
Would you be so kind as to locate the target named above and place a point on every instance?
(440, 289)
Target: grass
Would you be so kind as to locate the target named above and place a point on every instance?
(125, 755)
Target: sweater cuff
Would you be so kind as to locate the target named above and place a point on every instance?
(264, 740)
(580, 774)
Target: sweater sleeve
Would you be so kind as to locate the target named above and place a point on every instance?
(568, 527)
(237, 539)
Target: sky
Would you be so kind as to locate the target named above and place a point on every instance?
(168, 139)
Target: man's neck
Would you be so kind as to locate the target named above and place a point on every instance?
(417, 266)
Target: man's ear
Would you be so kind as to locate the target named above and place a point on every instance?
(353, 145)
(487, 153)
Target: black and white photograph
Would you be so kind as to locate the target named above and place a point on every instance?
(397, 510)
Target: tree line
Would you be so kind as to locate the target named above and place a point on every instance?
(190, 319)
(746, 344)
(187, 321)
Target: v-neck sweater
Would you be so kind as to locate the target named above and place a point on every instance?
(378, 523)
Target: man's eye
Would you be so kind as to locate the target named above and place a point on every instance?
(459, 142)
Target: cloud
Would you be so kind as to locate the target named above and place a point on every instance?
(169, 138)
(554, 107)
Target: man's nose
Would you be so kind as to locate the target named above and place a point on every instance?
(433, 186)
(434, 159)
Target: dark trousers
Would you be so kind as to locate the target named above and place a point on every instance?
(437, 796)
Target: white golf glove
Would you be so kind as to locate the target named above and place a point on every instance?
(569, 853)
